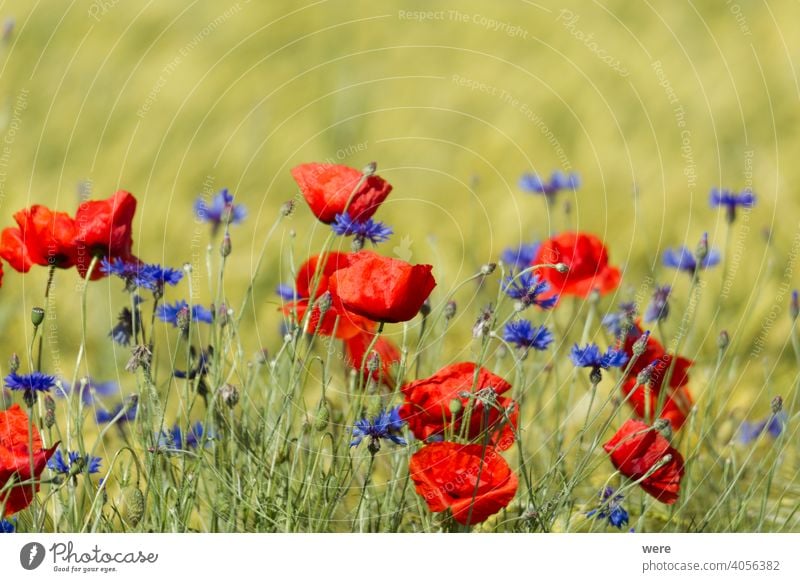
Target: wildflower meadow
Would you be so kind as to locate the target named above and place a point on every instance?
(338, 268)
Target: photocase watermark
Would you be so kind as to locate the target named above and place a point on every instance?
(522, 107)
(474, 18)
(64, 557)
(169, 69)
(569, 20)
(100, 8)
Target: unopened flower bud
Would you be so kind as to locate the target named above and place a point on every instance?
(37, 316)
(702, 248)
(324, 303)
(357, 244)
(723, 340)
(230, 395)
(183, 320)
(643, 377)
(641, 344)
(287, 208)
(425, 309)
(562, 268)
(777, 404)
(370, 169)
(13, 363)
(323, 416)
(456, 406)
(49, 411)
(664, 426)
(794, 306)
(450, 310)
(225, 247)
(488, 269)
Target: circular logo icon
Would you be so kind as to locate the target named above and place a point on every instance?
(31, 555)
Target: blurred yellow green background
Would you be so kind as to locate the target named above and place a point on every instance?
(652, 103)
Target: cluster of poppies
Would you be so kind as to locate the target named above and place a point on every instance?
(348, 295)
(99, 229)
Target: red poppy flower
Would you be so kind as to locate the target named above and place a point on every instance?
(15, 459)
(331, 263)
(428, 405)
(473, 482)
(100, 228)
(389, 354)
(43, 238)
(349, 324)
(636, 448)
(381, 288)
(104, 230)
(329, 187)
(587, 260)
(676, 405)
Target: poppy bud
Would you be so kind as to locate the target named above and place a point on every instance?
(323, 416)
(723, 340)
(456, 406)
(450, 310)
(562, 268)
(488, 269)
(370, 169)
(37, 316)
(777, 404)
(425, 309)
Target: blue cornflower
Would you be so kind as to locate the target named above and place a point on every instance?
(523, 334)
(175, 438)
(615, 321)
(89, 390)
(369, 229)
(221, 210)
(198, 365)
(123, 332)
(772, 425)
(153, 277)
(30, 384)
(527, 288)
(558, 181)
(520, 257)
(658, 308)
(611, 509)
(591, 357)
(169, 313)
(7, 526)
(386, 425)
(286, 292)
(683, 259)
(103, 416)
(731, 200)
(60, 464)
